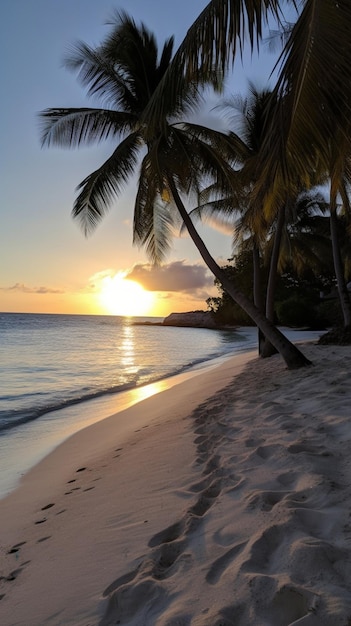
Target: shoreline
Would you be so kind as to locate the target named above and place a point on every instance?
(25, 444)
(238, 478)
(43, 435)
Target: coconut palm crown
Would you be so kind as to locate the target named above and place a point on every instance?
(123, 73)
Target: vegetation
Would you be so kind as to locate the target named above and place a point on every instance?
(304, 137)
(298, 301)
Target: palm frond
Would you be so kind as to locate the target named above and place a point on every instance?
(305, 252)
(147, 193)
(133, 51)
(158, 241)
(203, 154)
(154, 218)
(101, 187)
(99, 75)
(74, 127)
(219, 214)
(248, 116)
(221, 27)
(315, 82)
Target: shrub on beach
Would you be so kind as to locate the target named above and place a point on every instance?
(296, 312)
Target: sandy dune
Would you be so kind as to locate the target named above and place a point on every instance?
(227, 502)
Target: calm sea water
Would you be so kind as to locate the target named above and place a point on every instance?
(51, 364)
(58, 373)
(52, 361)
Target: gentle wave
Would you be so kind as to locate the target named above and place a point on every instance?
(51, 362)
(12, 418)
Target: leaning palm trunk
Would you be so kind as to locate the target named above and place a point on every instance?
(290, 353)
(338, 268)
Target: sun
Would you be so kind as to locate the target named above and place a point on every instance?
(120, 296)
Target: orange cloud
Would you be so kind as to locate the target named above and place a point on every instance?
(176, 276)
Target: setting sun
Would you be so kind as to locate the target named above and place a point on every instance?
(120, 296)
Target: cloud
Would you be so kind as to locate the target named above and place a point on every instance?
(25, 289)
(176, 276)
(96, 279)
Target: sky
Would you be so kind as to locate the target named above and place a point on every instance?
(47, 265)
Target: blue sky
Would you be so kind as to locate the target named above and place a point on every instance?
(46, 263)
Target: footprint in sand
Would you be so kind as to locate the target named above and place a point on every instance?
(206, 499)
(122, 580)
(48, 506)
(167, 535)
(201, 485)
(264, 547)
(134, 602)
(288, 479)
(201, 439)
(320, 451)
(212, 465)
(266, 452)
(220, 565)
(67, 493)
(16, 547)
(291, 604)
(12, 576)
(167, 557)
(201, 506)
(265, 500)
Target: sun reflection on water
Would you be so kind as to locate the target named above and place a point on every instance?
(141, 393)
(128, 351)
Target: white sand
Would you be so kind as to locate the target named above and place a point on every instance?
(224, 501)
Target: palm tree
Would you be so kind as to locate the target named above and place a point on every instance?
(311, 122)
(306, 238)
(250, 117)
(317, 46)
(340, 179)
(175, 157)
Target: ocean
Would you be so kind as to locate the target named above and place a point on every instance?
(59, 373)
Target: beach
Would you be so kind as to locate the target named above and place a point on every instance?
(224, 500)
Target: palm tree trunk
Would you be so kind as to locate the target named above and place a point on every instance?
(268, 348)
(257, 290)
(273, 266)
(338, 268)
(293, 358)
(257, 279)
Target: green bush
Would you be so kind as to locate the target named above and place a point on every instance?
(232, 315)
(296, 312)
(330, 314)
